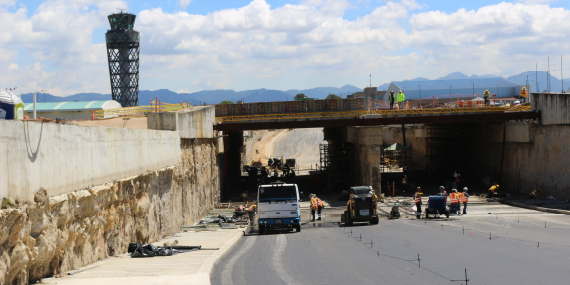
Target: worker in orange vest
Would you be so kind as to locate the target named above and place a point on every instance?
(320, 207)
(464, 199)
(418, 200)
(454, 201)
(524, 93)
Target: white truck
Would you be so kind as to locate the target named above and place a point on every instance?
(278, 207)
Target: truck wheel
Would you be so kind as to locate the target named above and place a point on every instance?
(261, 229)
(348, 219)
(298, 228)
(447, 214)
(375, 220)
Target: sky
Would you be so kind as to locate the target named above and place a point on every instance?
(193, 45)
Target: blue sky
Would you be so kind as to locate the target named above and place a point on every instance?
(188, 46)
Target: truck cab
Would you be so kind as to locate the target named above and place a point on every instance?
(278, 207)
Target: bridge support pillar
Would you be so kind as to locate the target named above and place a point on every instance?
(367, 143)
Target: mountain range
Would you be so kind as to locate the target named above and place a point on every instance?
(268, 95)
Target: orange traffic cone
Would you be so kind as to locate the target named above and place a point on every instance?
(92, 115)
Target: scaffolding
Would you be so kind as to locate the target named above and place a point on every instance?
(337, 166)
(444, 148)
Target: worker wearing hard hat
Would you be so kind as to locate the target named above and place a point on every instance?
(454, 199)
(401, 98)
(535, 193)
(492, 191)
(442, 192)
(374, 196)
(315, 205)
(524, 93)
(405, 183)
(418, 200)
(464, 199)
(486, 96)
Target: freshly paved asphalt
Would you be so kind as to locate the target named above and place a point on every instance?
(326, 253)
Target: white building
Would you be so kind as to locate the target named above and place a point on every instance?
(80, 110)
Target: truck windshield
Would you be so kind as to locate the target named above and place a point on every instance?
(277, 193)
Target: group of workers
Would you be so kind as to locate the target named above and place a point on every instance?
(399, 99)
(455, 200)
(317, 206)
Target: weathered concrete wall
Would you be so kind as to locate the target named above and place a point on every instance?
(64, 158)
(542, 162)
(554, 107)
(59, 233)
(197, 122)
(415, 139)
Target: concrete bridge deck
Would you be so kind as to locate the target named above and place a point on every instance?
(374, 118)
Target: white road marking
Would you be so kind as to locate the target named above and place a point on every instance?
(227, 273)
(280, 245)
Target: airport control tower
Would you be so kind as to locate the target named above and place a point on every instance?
(123, 55)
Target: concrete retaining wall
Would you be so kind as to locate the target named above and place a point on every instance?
(192, 123)
(65, 158)
(53, 235)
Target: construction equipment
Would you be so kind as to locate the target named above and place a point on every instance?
(395, 212)
(361, 207)
(437, 205)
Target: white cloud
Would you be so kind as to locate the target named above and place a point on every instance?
(13, 66)
(293, 46)
(184, 3)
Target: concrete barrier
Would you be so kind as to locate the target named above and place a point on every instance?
(65, 158)
(195, 123)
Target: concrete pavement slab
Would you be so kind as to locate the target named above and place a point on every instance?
(183, 268)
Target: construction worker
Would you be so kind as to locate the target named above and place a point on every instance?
(252, 162)
(523, 94)
(486, 96)
(407, 104)
(418, 200)
(245, 196)
(492, 192)
(464, 199)
(401, 98)
(320, 206)
(374, 196)
(535, 193)
(457, 177)
(286, 169)
(392, 99)
(314, 206)
(454, 201)
(404, 183)
(251, 213)
(442, 192)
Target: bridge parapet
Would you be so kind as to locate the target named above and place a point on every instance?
(554, 107)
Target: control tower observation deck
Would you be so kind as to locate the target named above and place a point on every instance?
(123, 56)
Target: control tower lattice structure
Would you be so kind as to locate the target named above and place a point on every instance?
(123, 56)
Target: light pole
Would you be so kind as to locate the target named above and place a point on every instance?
(420, 87)
(43, 90)
(450, 94)
(474, 90)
